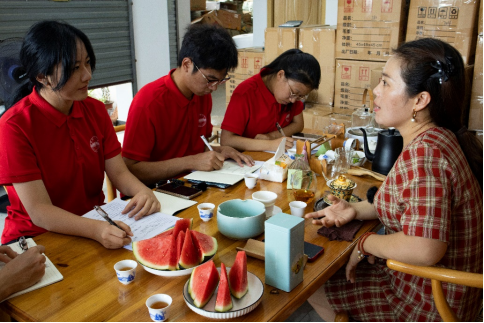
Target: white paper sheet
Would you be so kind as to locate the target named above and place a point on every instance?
(145, 228)
(230, 173)
(171, 204)
(52, 274)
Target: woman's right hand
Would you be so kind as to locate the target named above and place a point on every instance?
(338, 213)
(113, 238)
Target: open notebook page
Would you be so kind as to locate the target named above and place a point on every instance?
(144, 228)
(52, 274)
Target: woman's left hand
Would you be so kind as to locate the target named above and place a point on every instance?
(353, 262)
(143, 203)
(231, 153)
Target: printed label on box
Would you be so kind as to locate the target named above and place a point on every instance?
(432, 13)
(367, 5)
(443, 13)
(349, 5)
(364, 73)
(346, 72)
(244, 62)
(422, 12)
(258, 62)
(454, 13)
(386, 6)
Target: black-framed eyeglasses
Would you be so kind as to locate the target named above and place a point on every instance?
(295, 96)
(211, 83)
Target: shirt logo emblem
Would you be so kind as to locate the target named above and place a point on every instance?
(288, 117)
(202, 121)
(95, 144)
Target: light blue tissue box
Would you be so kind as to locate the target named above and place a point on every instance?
(284, 251)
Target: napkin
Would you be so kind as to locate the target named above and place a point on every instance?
(344, 233)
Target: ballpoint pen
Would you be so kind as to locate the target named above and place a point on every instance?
(106, 216)
(206, 142)
(280, 129)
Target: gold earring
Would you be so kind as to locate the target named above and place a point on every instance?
(414, 115)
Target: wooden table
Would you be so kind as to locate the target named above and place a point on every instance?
(91, 292)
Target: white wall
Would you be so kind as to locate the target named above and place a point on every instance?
(331, 17)
(150, 24)
(259, 12)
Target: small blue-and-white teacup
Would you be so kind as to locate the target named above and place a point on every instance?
(206, 211)
(158, 306)
(126, 271)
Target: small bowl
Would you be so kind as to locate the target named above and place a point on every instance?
(241, 219)
(358, 158)
(342, 193)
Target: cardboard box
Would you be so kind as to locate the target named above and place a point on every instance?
(313, 115)
(452, 21)
(197, 5)
(479, 136)
(231, 85)
(251, 60)
(479, 24)
(309, 11)
(369, 29)
(230, 20)
(277, 41)
(319, 41)
(375, 77)
(475, 111)
(324, 120)
(352, 78)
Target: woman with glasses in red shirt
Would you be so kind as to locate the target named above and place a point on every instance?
(274, 96)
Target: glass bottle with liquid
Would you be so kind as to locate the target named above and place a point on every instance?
(362, 118)
(303, 179)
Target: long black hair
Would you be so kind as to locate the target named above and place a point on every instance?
(47, 44)
(298, 66)
(209, 47)
(434, 66)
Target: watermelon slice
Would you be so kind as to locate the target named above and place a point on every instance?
(179, 244)
(189, 256)
(164, 233)
(203, 282)
(224, 301)
(157, 253)
(182, 225)
(205, 243)
(238, 282)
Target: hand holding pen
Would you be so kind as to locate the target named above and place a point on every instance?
(113, 238)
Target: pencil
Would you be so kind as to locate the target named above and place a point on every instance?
(280, 129)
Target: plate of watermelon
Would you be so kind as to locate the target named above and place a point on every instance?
(175, 252)
(213, 293)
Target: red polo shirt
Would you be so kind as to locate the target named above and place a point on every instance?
(163, 124)
(253, 110)
(66, 152)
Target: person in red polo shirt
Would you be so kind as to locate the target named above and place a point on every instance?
(168, 116)
(56, 143)
(272, 96)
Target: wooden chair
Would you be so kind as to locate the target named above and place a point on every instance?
(111, 190)
(437, 276)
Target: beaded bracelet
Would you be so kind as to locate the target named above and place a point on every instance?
(361, 252)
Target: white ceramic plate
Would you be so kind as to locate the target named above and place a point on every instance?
(171, 273)
(240, 306)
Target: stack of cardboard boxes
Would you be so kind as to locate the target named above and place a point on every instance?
(353, 55)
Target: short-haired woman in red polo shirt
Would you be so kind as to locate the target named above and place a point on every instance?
(56, 143)
(430, 202)
(272, 96)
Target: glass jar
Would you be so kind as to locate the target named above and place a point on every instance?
(303, 179)
(361, 118)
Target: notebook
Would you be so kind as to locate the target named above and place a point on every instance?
(52, 274)
(229, 174)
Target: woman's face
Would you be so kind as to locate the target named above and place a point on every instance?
(393, 108)
(75, 88)
(289, 91)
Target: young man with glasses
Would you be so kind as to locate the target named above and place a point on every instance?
(168, 116)
(271, 97)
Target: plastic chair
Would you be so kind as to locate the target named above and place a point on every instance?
(437, 276)
(111, 190)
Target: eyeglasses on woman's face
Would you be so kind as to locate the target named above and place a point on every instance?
(212, 83)
(293, 96)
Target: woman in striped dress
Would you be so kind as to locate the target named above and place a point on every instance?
(430, 203)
